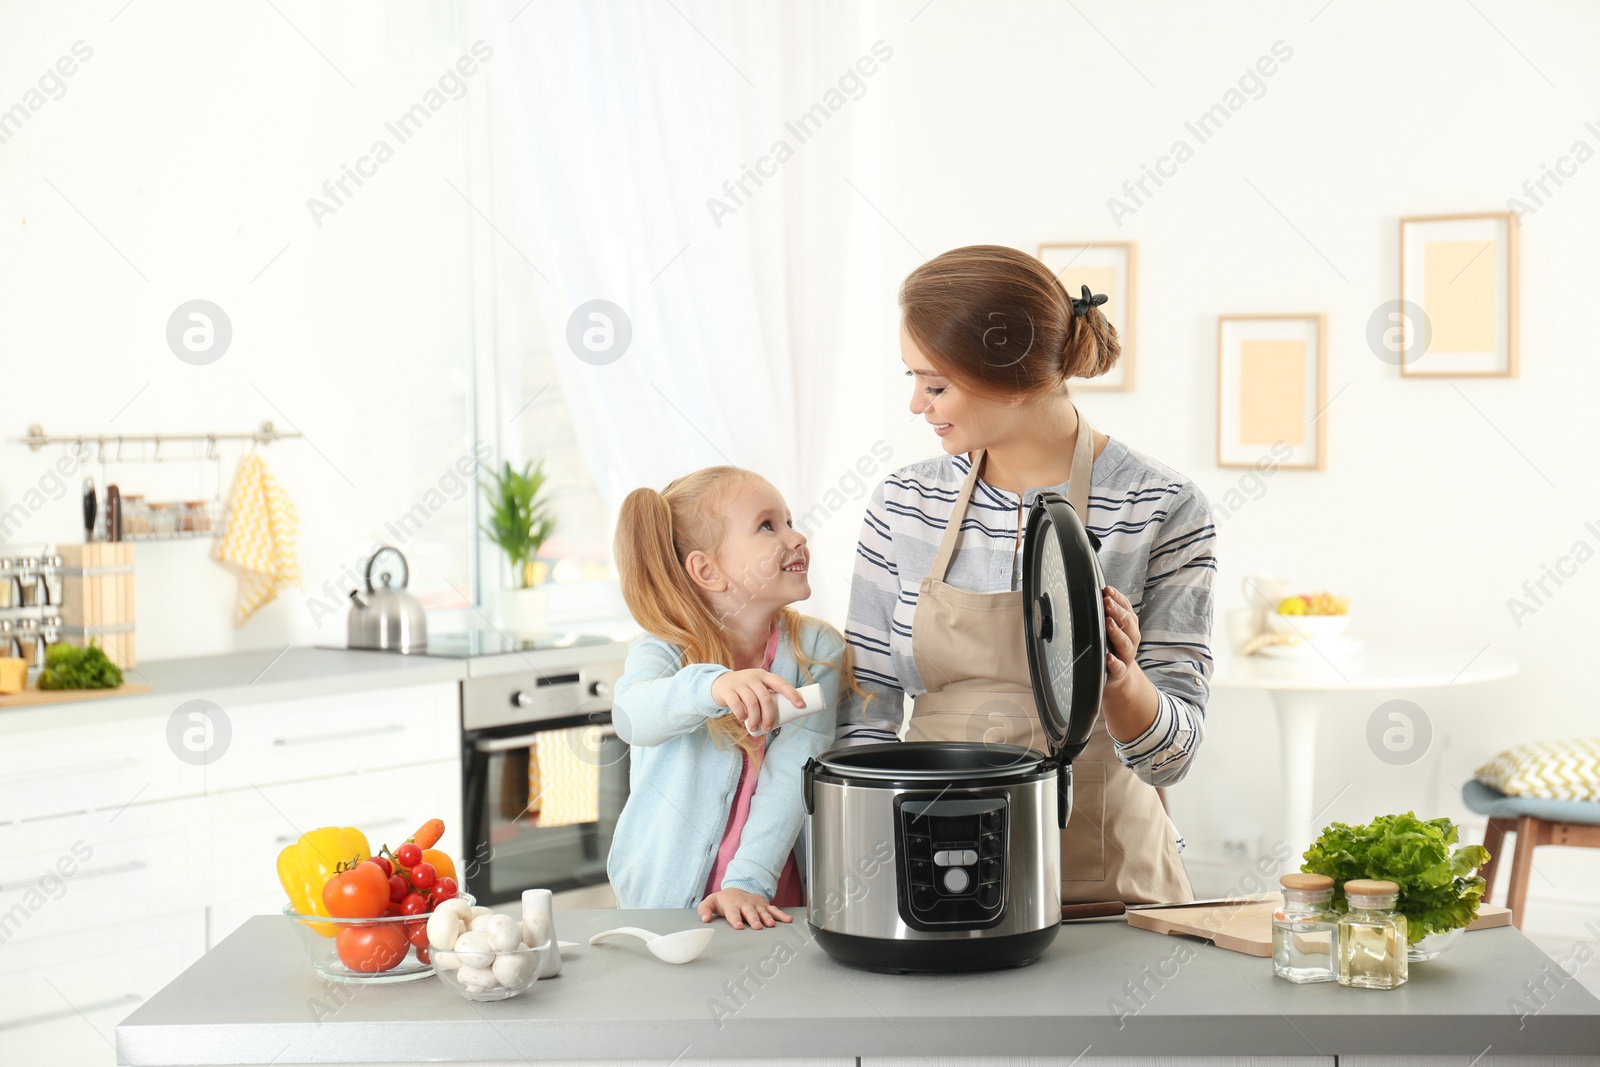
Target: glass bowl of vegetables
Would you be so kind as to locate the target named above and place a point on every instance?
(387, 948)
(373, 924)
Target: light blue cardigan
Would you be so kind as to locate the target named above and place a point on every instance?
(683, 785)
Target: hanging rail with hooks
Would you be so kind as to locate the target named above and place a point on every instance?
(37, 439)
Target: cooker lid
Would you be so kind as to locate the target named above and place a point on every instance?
(1066, 623)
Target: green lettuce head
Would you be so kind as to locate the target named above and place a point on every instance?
(1438, 889)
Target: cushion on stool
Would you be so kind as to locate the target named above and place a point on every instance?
(1486, 800)
(1554, 770)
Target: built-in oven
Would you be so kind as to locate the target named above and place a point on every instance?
(544, 775)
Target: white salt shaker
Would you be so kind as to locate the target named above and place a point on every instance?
(539, 926)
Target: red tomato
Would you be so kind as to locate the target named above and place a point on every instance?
(383, 861)
(408, 855)
(414, 904)
(372, 947)
(443, 890)
(417, 934)
(398, 887)
(423, 875)
(423, 954)
(359, 893)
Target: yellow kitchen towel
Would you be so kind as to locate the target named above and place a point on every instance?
(260, 539)
(564, 777)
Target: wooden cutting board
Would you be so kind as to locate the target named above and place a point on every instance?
(30, 696)
(1247, 927)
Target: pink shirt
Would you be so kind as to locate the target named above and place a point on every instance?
(789, 892)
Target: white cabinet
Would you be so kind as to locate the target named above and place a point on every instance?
(106, 821)
(77, 768)
(330, 737)
(62, 874)
(63, 994)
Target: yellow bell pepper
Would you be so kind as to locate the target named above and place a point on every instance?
(305, 867)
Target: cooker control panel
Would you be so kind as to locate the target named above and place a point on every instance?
(953, 860)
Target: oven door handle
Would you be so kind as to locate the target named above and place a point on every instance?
(503, 744)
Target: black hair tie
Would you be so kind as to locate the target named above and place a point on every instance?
(1089, 300)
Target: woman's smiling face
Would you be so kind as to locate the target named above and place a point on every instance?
(963, 422)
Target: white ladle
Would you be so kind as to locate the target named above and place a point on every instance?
(680, 947)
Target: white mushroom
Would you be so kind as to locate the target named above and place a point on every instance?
(481, 922)
(446, 961)
(472, 949)
(478, 979)
(504, 933)
(443, 929)
(460, 907)
(515, 970)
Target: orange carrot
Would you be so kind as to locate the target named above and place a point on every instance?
(429, 833)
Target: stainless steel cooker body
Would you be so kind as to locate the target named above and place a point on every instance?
(938, 869)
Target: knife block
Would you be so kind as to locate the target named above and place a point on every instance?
(97, 598)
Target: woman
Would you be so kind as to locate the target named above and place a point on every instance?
(991, 338)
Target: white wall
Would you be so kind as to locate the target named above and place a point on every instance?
(1014, 122)
(191, 140)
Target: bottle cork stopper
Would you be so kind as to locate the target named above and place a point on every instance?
(1302, 881)
(1370, 887)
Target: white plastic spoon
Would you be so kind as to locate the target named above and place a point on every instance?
(680, 947)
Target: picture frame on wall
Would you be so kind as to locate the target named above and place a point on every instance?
(1108, 267)
(1459, 296)
(1272, 384)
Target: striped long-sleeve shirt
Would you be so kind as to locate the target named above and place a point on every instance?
(1157, 540)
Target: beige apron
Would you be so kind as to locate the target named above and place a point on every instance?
(971, 649)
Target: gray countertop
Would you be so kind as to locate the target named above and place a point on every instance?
(1124, 992)
(295, 672)
(242, 678)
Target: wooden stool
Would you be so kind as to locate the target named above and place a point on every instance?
(1536, 821)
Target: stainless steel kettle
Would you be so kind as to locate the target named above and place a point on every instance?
(387, 617)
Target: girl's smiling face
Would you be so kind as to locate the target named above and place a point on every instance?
(763, 560)
(963, 422)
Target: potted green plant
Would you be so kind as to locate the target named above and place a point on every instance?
(1439, 889)
(519, 522)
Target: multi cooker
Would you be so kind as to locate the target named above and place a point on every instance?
(946, 855)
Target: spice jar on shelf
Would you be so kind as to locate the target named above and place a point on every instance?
(196, 517)
(1371, 941)
(163, 522)
(135, 517)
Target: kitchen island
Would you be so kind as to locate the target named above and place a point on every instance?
(1101, 990)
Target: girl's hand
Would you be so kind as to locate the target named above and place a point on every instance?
(741, 908)
(747, 695)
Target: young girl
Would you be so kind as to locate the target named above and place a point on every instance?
(708, 568)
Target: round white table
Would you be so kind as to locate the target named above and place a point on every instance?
(1300, 686)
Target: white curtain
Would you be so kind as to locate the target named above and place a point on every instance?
(621, 121)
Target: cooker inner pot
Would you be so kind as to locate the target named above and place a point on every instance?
(946, 760)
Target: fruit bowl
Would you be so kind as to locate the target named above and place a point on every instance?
(1309, 627)
(366, 951)
(484, 975)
